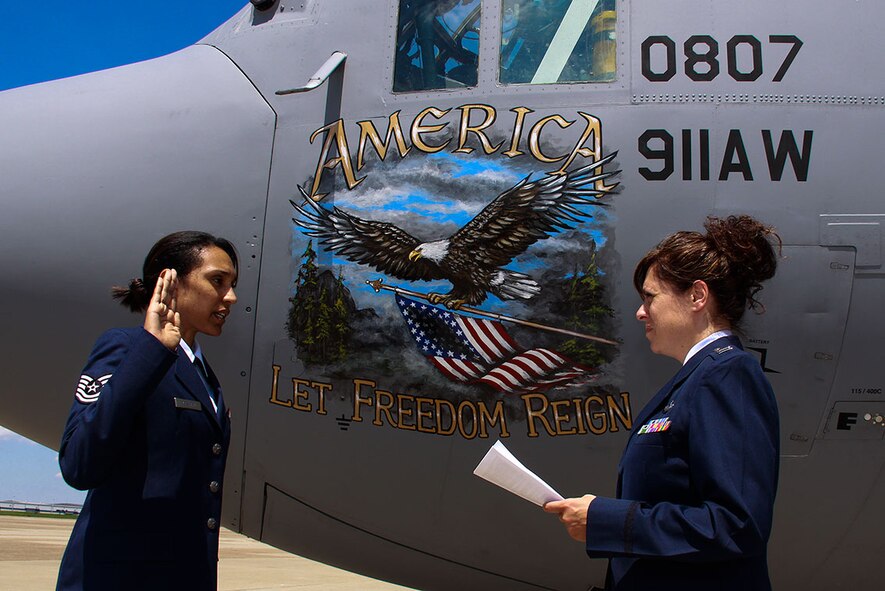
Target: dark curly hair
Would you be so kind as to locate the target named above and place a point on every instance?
(733, 258)
(179, 251)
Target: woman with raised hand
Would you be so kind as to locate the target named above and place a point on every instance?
(148, 431)
(697, 480)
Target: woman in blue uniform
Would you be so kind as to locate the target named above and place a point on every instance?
(148, 430)
(697, 480)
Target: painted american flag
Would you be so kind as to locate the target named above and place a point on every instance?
(476, 350)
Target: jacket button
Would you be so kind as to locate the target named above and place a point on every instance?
(216, 449)
(211, 523)
(214, 486)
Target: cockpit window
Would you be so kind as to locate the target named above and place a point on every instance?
(550, 41)
(437, 44)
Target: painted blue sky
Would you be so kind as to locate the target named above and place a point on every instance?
(53, 39)
(431, 197)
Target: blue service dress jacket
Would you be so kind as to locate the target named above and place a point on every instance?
(696, 483)
(144, 438)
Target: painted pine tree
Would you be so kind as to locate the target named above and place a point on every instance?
(585, 306)
(304, 314)
(320, 315)
(341, 317)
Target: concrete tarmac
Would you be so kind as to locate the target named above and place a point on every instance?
(31, 549)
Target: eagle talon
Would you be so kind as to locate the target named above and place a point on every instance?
(454, 304)
(446, 300)
(435, 298)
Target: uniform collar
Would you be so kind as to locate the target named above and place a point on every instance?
(196, 353)
(700, 344)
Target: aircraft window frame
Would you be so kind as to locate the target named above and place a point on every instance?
(564, 32)
(453, 31)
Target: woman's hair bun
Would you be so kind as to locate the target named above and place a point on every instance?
(746, 243)
(135, 297)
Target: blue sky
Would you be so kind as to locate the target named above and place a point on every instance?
(52, 39)
(58, 38)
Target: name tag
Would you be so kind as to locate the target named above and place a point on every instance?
(186, 404)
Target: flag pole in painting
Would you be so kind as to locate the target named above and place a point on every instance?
(478, 350)
(378, 285)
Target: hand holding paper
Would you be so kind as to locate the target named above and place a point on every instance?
(573, 515)
(500, 467)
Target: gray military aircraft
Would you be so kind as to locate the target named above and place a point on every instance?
(369, 160)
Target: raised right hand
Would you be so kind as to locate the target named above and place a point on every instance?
(161, 318)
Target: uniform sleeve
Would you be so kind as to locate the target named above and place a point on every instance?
(733, 449)
(123, 369)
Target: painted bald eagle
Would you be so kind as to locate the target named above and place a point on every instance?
(471, 259)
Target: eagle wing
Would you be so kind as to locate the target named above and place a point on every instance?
(528, 212)
(378, 244)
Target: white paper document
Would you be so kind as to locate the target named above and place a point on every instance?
(500, 467)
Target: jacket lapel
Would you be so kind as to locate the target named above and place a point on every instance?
(186, 373)
(658, 399)
(221, 417)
